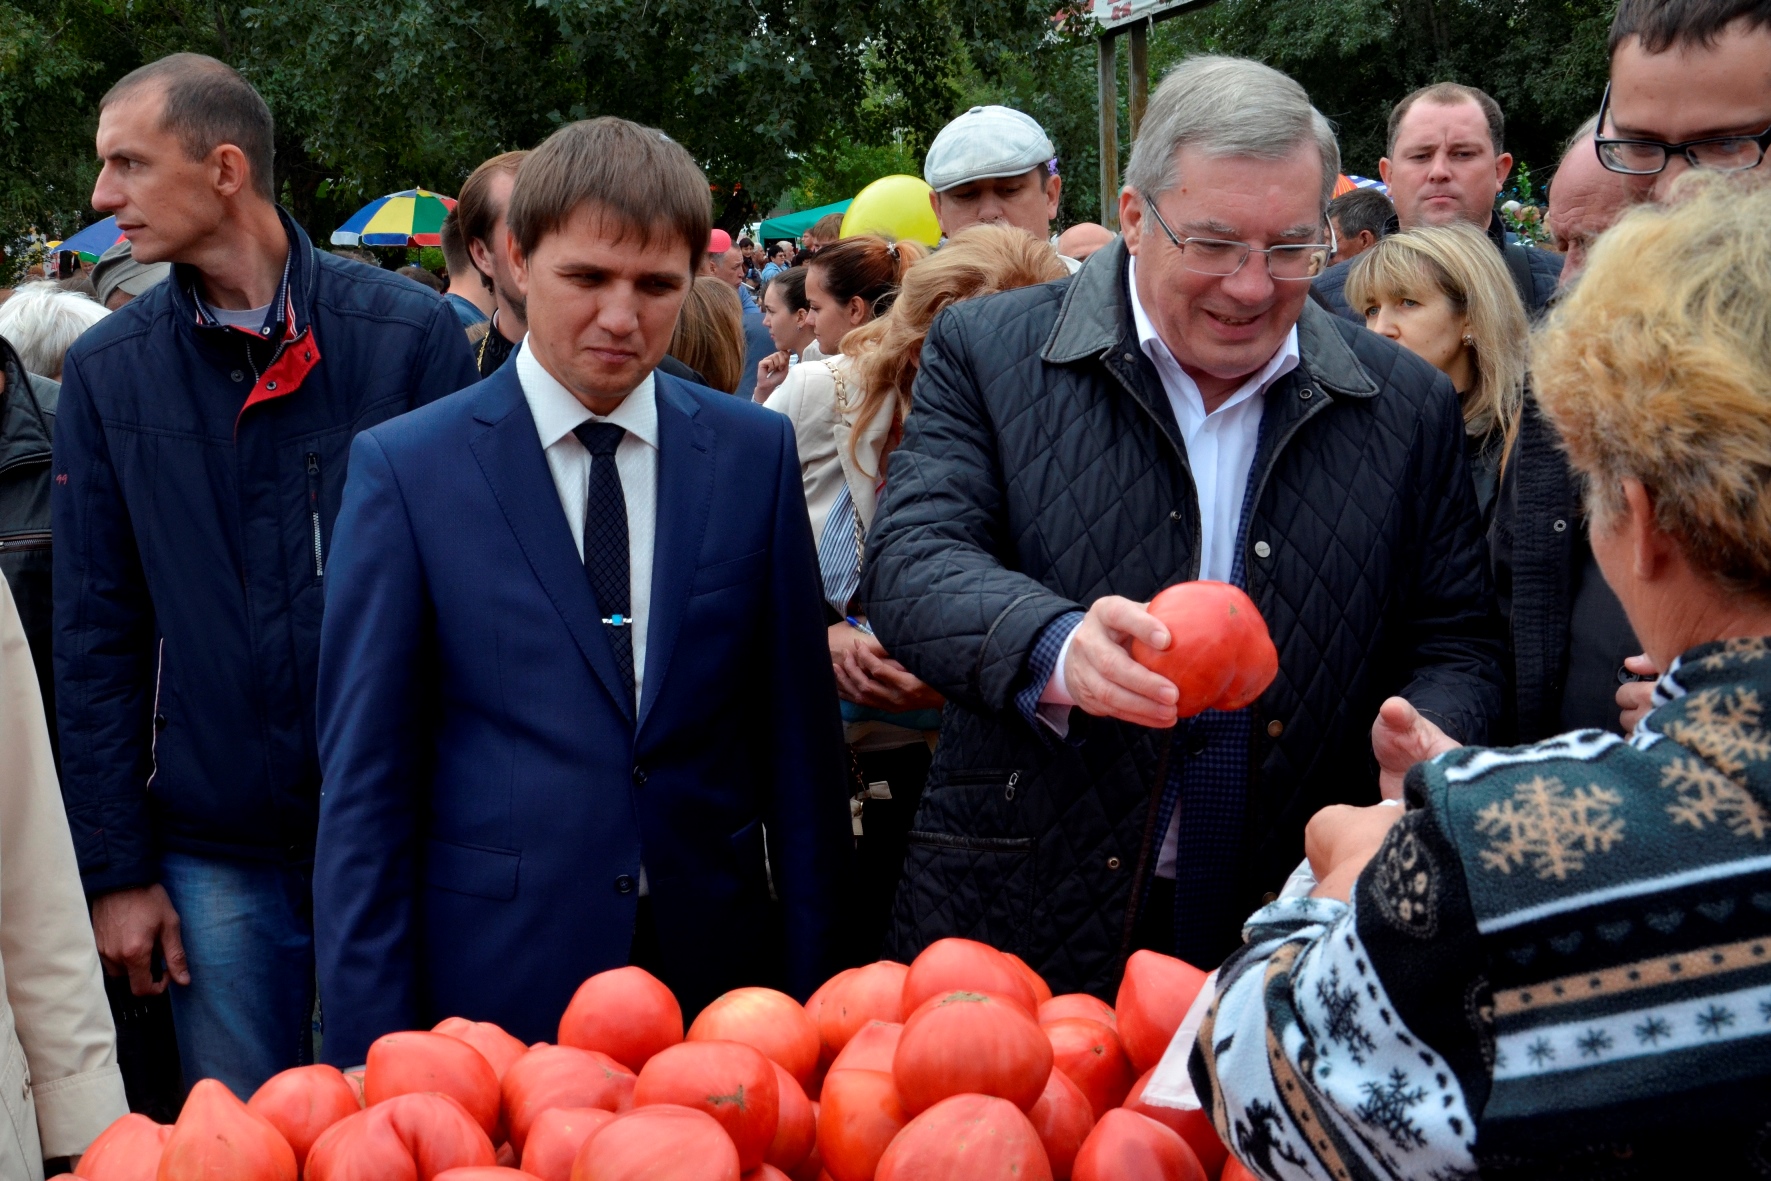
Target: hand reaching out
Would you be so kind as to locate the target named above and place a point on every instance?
(1400, 738)
(1102, 677)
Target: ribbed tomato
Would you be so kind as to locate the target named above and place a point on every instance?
(871, 1048)
(216, 1136)
(555, 1137)
(970, 1042)
(1235, 1170)
(1193, 1126)
(1154, 996)
(796, 1127)
(857, 1118)
(771, 1022)
(128, 1150)
(1042, 992)
(1126, 1146)
(302, 1102)
(872, 993)
(1219, 654)
(659, 1142)
(1063, 1119)
(404, 1136)
(496, 1046)
(1079, 1004)
(815, 1010)
(733, 1083)
(561, 1076)
(416, 1062)
(951, 965)
(1091, 1055)
(626, 1013)
(483, 1173)
(966, 1138)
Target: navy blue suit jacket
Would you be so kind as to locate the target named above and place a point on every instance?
(489, 795)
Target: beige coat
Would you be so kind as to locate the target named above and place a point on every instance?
(59, 1080)
(821, 398)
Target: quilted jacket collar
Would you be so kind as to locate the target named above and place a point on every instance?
(1095, 320)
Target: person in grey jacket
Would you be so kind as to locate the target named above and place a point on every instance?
(1177, 410)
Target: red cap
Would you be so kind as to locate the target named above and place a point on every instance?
(719, 242)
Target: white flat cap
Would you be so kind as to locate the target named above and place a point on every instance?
(985, 142)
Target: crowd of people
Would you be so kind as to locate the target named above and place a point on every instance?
(381, 647)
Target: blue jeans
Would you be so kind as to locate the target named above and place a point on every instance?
(248, 933)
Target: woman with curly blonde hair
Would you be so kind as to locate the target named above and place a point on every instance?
(1553, 960)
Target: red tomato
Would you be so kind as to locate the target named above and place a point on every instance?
(416, 1062)
(1193, 1126)
(561, 1076)
(304, 1101)
(404, 1136)
(626, 1013)
(128, 1150)
(949, 965)
(484, 1173)
(555, 1137)
(970, 1042)
(1063, 1118)
(815, 1008)
(813, 1166)
(1042, 992)
(767, 1172)
(966, 1138)
(1235, 1170)
(1126, 1146)
(1091, 1055)
(871, 1048)
(1079, 1004)
(858, 1117)
(1154, 996)
(1219, 655)
(731, 1082)
(217, 1136)
(498, 1048)
(796, 1127)
(661, 1142)
(872, 993)
(769, 1021)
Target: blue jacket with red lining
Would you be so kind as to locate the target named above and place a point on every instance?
(198, 469)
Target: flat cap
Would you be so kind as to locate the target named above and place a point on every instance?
(985, 142)
(117, 270)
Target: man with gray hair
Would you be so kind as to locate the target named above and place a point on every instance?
(1178, 410)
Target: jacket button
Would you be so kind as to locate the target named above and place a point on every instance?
(1195, 744)
(1112, 863)
(270, 385)
(1560, 526)
(623, 885)
(639, 777)
(1174, 514)
(1269, 897)
(1262, 549)
(237, 375)
(1305, 393)
(1275, 728)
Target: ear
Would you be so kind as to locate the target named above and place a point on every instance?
(1652, 551)
(1503, 167)
(231, 173)
(519, 262)
(1366, 239)
(1053, 187)
(1383, 170)
(1131, 218)
(935, 204)
(481, 256)
(857, 310)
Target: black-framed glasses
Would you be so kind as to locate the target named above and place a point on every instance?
(1648, 157)
(1222, 258)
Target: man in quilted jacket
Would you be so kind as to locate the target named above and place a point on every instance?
(1177, 410)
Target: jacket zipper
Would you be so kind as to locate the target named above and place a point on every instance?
(19, 542)
(313, 504)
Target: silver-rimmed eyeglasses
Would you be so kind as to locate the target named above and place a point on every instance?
(1294, 262)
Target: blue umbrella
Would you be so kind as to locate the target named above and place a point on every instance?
(92, 241)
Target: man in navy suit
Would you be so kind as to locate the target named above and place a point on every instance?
(575, 704)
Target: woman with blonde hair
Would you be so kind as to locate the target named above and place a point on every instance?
(1444, 294)
(709, 336)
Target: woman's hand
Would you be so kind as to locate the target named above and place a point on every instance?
(865, 675)
(1340, 841)
(1636, 698)
(771, 371)
(1400, 738)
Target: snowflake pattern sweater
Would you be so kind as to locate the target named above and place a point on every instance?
(1557, 965)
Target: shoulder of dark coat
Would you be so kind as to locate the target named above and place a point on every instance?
(346, 287)
(1023, 314)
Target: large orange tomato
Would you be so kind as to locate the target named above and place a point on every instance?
(498, 1047)
(659, 1142)
(555, 1138)
(561, 1076)
(1219, 654)
(812, 1167)
(815, 1009)
(1042, 992)
(1079, 1004)
(951, 965)
(626, 1013)
(872, 993)
(1091, 1055)
(217, 1136)
(1235, 1170)
(1126, 1146)
(417, 1062)
(871, 1048)
(796, 1127)
(1193, 1126)
(966, 1138)
(302, 1102)
(1154, 996)
(731, 1082)
(769, 1021)
(128, 1150)
(406, 1136)
(483, 1173)
(858, 1117)
(1063, 1118)
(970, 1042)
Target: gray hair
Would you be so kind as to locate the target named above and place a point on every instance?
(1227, 106)
(42, 320)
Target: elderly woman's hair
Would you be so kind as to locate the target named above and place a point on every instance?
(977, 261)
(1657, 366)
(709, 335)
(42, 320)
(1461, 263)
(1227, 106)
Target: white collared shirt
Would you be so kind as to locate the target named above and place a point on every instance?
(556, 412)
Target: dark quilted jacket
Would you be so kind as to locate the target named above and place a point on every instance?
(1041, 468)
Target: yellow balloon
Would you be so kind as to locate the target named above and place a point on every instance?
(896, 206)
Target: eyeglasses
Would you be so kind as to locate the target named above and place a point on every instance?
(1215, 256)
(1647, 157)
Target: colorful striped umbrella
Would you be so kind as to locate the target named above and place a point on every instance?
(1347, 184)
(412, 218)
(92, 241)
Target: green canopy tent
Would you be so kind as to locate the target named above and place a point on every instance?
(792, 225)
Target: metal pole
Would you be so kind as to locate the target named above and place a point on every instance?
(1109, 85)
(1140, 74)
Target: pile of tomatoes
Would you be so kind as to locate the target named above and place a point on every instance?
(961, 1066)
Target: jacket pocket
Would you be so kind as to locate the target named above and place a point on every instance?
(26, 542)
(21, 1152)
(750, 846)
(969, 868)
(472, 870)
(948, 840)
(720, 575)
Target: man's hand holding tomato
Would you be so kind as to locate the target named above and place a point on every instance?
(1100, 674)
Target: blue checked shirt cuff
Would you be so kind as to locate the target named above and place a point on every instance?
(1034, 701)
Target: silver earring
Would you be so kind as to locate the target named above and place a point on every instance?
(1468, 340)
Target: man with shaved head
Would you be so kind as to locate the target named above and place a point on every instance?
(1585, 198)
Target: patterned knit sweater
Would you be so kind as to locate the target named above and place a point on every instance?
(1557, 965)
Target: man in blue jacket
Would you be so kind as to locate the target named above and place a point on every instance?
(199, 463)
(576, 704)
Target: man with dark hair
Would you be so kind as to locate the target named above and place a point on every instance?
(1447, 162)
(466, 294)
(485, 197)
(1358, 218)
(199, 460)
(576, 701)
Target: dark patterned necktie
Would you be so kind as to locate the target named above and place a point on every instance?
(605, 542)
